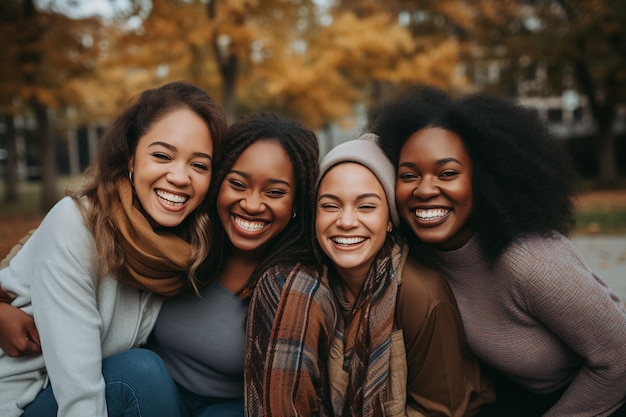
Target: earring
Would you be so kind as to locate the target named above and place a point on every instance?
(130, 176)
(293, 214)
(389, 229)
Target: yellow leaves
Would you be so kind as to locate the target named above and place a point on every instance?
(310, 92)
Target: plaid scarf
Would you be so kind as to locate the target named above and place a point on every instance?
(291, 320)
(367, 339)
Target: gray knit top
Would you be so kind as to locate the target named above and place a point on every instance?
(543, 318)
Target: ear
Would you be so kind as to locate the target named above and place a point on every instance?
(131, 163)
(389, 227)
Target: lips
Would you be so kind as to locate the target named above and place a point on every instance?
(431, 214)
(172, 199)
(347, 241)
(249, 226)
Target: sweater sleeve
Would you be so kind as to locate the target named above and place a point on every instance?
(574, 304)
(66, 313)
(444, 379)
(291, 322)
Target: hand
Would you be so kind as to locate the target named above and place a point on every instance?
(18, 334)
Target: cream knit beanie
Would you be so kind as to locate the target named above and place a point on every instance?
(365, 151)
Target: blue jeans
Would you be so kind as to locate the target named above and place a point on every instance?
(137, 384)
(198, 406)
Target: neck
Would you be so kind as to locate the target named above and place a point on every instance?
(237, 270)
(352, 282)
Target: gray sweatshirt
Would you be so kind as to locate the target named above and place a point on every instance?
(80, 320)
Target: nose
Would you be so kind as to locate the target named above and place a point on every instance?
(252, 203)
(347, 219)
(179, 175)
(426, 188)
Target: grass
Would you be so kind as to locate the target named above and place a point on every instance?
(601, 220)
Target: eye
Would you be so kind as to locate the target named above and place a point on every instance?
(236, 184)
(161, 155)
(200, 166)
(449, 174)
(407, 176)
(367, 206)
(276, 193)
(332, 207)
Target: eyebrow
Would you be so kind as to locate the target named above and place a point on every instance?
(359, 197)
(271, 180)
(438, 162)
(174, 149)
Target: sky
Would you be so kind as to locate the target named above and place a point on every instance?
(105, 8)
(85, 8)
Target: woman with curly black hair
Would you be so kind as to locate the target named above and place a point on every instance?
(486, 194)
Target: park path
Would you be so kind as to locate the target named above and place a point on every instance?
(606, 255)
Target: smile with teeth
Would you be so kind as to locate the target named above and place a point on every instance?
(248, 225)
(172, 199)
(347, 240)
(431, 214)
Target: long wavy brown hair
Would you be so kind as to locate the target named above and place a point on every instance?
(97, 188)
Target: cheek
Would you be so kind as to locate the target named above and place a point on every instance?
(222, 202)
(284, 211)
(403, 194)
(203, 186)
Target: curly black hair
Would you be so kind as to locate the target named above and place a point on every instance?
(523, 179)
(296, 242)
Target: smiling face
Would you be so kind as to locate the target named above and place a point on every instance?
(352, 218)
(255, 200)
(434, 188)
(172, 167)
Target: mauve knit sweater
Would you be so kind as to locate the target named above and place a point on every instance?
(545, 320)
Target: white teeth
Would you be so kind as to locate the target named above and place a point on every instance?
(249, 226)
(173, 199)
(348, 240)
(431, 214)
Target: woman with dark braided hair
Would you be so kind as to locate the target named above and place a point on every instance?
(485, 193)
(262, 209)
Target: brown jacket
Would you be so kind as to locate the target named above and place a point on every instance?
(432, 372)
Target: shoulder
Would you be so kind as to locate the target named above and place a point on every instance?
(535, 258)
(423, 289)
(290, 271)
(65, 225)
(421, 281)
(295, 277)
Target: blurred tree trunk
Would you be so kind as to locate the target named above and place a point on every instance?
(10, 173)
(604, 113)
(30, 59)
(47, 146)
(227, 64)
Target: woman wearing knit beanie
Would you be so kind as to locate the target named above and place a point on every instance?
(399, 347)
(485, 192)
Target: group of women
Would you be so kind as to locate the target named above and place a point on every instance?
(422, 269)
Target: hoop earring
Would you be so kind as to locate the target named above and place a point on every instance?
(130, 176)
(293, 214)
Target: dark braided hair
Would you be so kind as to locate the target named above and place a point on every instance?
(296, 242)
(522, 178)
